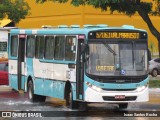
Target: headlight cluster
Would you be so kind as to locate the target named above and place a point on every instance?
(98, 89)
(141, 88)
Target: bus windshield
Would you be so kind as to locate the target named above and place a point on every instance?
(107, 59)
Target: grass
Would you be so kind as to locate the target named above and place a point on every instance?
(154, 84)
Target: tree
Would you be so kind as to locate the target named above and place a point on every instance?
(151, 47)
(128, 7)
(14, 10)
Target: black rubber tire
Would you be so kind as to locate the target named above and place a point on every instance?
(154, 73)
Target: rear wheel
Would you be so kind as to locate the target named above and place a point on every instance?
(154, 73)
(32, 97)
(123, 106)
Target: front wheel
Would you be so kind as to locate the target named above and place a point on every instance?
(123, 105)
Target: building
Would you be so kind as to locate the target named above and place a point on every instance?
(55, 14)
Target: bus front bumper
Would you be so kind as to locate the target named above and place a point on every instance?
(116, 96)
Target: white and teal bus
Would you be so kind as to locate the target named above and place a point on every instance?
(93, 64)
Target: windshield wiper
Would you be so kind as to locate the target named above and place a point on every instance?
(110, 49)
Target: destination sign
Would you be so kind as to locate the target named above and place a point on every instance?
(104, 68)
(117, 35)
(3, 46)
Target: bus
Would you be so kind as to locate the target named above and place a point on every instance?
(3, 42)
(92, 64)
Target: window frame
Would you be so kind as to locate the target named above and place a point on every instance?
(14, 48)
(32, 52)
(63, 48)
(38, 50)
(45, 47)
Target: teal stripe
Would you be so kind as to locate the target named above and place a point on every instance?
(57, 61)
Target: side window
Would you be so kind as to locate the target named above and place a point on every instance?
(2, 65)
(6, 67)
(49, 47)
(70, 48)
(40, 46)
(14, 46)
(30, 46)
(157, 60)
(59, 48)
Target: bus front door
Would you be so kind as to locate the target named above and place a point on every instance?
(80, 71)
(21, 55)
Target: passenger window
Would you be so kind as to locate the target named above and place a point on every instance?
(39, 47)
(59, 48)
(49, 47)
(6, 67)
(2, 67)
(70, 48)
(157, 60)
(14, 46)
(30, 46)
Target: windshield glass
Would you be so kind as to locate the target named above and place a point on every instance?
(129, 59)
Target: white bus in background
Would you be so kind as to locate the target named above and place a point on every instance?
(4, 41)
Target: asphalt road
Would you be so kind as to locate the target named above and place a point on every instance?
(14, 101)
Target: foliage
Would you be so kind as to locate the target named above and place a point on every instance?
(14, 10)
(151, 47)
(128, 7)
(123, 6)
(154, 83)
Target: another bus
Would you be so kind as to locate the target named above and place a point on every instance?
(93, 64)
(3, 42)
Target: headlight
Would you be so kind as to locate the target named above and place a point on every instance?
(141, 88)
(98, 89)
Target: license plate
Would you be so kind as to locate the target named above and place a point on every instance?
(119, 97)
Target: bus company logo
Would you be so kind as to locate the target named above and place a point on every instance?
(120, 81)
(6, 114)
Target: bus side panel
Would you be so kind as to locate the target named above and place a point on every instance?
(13, 83)
(29, 62)
(38, 82)
(49, 88)
(54, 88)
(23, 82)
(13, 78)
(51, 77)
(23, 77)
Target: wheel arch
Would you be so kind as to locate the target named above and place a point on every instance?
(67, 88)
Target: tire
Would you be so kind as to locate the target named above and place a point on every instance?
(32, 97)
(154, 73)
(123, 105)
(70, 103)
(83, 106)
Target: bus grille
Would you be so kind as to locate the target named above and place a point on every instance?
(121, 80)
(118, 89)
(108, 98)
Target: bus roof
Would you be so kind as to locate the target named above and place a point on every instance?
(73, 29)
